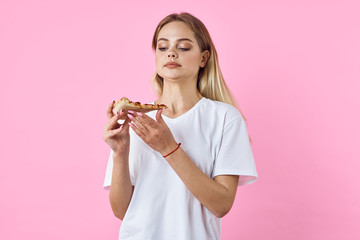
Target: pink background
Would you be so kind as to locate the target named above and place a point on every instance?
(292, 65)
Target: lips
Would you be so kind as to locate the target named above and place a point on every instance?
(172, 65)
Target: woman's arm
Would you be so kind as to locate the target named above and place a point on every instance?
(118, 138)
(217, 195)
(121, 189)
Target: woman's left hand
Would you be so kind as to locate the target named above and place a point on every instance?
(155, 133)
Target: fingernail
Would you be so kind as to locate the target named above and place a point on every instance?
(113, 101)
(139, 113)
(131, 124)
(130, 116)
(130, 111)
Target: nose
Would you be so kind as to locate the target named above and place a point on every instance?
(172, 54)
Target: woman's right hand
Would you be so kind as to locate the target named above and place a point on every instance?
(117, 135)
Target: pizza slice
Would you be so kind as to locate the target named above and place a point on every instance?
(126, 105)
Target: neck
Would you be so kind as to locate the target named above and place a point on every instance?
(179, 97)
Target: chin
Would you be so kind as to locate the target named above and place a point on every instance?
(169, 76)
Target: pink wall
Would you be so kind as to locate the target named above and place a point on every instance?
(293, 67)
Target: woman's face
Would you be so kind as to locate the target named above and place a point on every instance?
(177, 54)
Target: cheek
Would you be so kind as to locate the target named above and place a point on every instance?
(194, 58)
(194, 61)
(158, 63)
(157, 59)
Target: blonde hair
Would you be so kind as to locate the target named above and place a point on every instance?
(210, 82)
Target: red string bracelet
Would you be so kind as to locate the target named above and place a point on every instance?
(173, 151)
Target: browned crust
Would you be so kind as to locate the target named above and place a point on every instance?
(125, 104)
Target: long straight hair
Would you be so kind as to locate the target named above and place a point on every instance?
(210, 81)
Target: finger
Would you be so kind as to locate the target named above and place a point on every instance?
(123, 127)
(113, 121)
(109, 112)
(137, 131)
(159, 116)
(126, 123)
(138, 116)
(145, 119)
(112, 133)
(140, 125)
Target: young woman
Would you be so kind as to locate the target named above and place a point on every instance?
(173, 174)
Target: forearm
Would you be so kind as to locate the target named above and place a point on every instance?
(213, 195)
(121, 189)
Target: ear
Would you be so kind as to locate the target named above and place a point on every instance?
(204, 58)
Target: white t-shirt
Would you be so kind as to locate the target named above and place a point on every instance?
(214, 135)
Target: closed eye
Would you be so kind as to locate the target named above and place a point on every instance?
(182, 49)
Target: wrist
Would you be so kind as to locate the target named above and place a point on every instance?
(170, 149)
(120, 154)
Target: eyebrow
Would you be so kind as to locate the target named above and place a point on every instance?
(178, 40)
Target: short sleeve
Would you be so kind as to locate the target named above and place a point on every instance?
(235, 155)
(108, 174)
